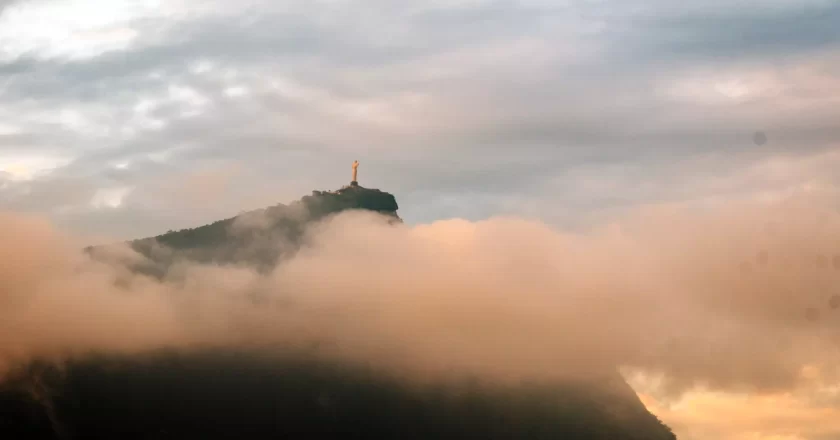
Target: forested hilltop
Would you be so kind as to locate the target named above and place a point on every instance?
(257, 238)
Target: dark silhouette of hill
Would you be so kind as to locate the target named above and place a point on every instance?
(257, 238)
(228, 393)
(290, 220)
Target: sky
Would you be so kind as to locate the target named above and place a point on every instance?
(122, 118)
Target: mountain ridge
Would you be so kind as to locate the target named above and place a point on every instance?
(258, 238)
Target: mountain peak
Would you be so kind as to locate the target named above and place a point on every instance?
(353, 196)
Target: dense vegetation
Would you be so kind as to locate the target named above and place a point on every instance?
(291, 219)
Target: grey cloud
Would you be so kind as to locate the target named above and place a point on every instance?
(753, 32)
(494, 119)
(6, 3)
(45, 195)
(19, 141)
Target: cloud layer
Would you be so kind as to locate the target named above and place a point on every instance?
(733, 299)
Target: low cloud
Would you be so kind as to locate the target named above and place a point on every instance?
(734, 298)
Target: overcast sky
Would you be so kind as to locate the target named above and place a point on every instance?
(127, 118)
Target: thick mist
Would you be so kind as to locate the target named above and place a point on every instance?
(737, 297)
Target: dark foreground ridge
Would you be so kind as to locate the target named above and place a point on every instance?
(234, 393)
(230, 394)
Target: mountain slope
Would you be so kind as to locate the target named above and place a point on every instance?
(257, 238)
(289, 219)
(228, 394)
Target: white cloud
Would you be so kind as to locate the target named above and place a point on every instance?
(202, 67)
(7, 129)
(725, 87)
(110, 197)
(192, 101)
(77, 121)
(74, 29)
(26, 167)
(236, 91)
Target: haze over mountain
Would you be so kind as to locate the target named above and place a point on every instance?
(724, 299)
(292, 391)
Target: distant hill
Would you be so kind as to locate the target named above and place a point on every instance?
(232, 393)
